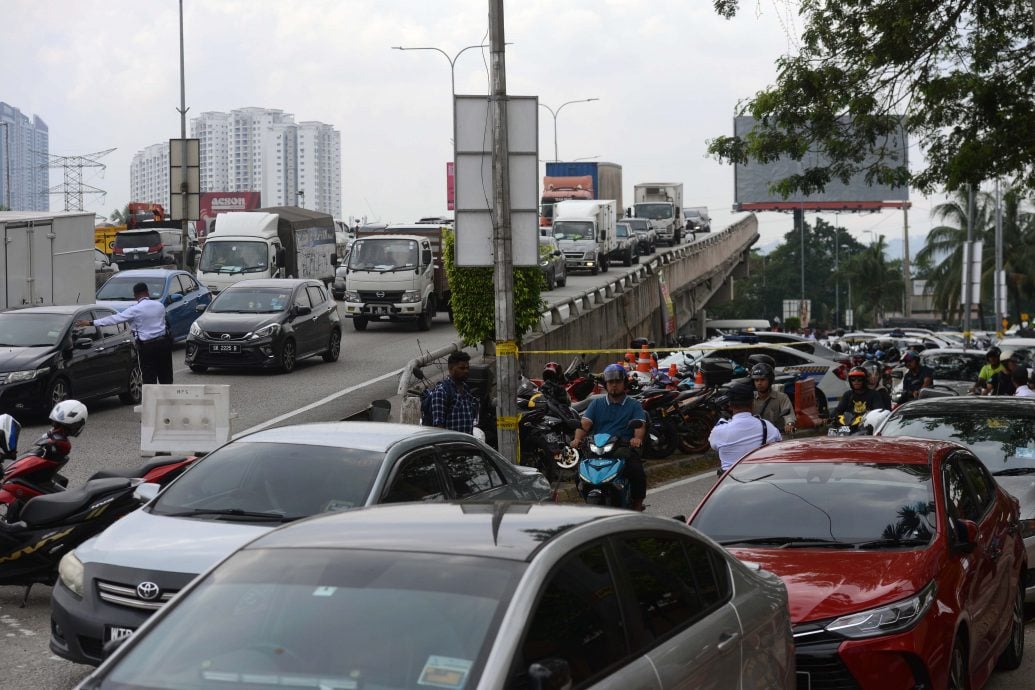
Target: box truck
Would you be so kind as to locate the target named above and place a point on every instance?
(585, 231)
(662, 203)
(583, 180)
(275, 242)
(46, 258)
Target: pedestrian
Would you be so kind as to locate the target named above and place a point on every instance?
(1023, 383)
(735, 437)
(992, 367)
(916, 377)
(1001, 382)
(771, 404)
(453, 406)
(150, 329)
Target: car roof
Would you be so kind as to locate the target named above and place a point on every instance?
(136, 231)
(880, 450)
(147, 272)
(513, 531)
(65, 309)
(270, 282)
(954, 351)
(994, 405)
(374, 436)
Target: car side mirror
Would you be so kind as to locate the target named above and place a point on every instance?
(557, 252)
(83, 343)
(603, 236)
(175, 297)
(549, 674)
(334, 259)
(146, 492)
(280, 256)
(303, 311)
(966, 535)
(200, 308)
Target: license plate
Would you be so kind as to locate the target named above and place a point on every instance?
(804, 680)
(231, 347)
(381, 310)
(115, 632)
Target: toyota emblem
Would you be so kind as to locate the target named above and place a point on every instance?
(148, 591)
(380, 294)
(225, 336)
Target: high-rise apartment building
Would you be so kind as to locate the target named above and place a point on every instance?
(212, 129)
(149, 175)
(24, 157)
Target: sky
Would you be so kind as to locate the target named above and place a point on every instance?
(668, 75)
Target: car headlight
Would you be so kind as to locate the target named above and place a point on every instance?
(411, 296)
(27, 375)
(351, 296)
(265, 331)
(195, 330)
(70, 570)
(886, 620)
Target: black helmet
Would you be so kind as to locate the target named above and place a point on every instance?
(763, 371)
(762, 359)
(552, 372)
(857, 373)
(993, 352)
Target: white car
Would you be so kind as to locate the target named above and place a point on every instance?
(830, 376)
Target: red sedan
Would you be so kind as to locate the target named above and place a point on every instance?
(902, 558)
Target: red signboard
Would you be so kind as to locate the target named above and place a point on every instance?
(450, 187)
(214, 203)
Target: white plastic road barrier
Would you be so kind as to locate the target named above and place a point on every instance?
(184, 419)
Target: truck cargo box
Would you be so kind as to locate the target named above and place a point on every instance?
(46, 258)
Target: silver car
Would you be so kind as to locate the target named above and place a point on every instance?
(999, 430)
(110, 584)
(470, 596)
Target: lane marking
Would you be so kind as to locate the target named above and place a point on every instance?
(682, 482)
(318, 403)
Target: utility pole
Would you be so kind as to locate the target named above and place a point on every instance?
(907, 308)
(968, 259)
(1000, 282)
(183, 152)
(503, 275)
(837, 271)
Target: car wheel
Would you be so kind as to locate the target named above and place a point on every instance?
(627, 259)
(198, 368)
(548, 281)
(424, 319)
(1012, 656)
(563, 280)
(695, 437)
(959, 677)
(287, 356)
(134, 389)
(334, 347)
(58, 390)
(636, 257)
(596, 269)
(359, 323)
(604, 264)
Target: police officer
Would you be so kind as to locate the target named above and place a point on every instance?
(147, 321)
(736, 437)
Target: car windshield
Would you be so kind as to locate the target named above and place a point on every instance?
(636, 224)
(954, 366)
(120, 288)
(383, 255)
(31, 330)
(133, 240)
(810, 502)
(1005, 444)
(289, 480)
(622, 230)
(249, 300)
(573, 230)
(233, 257)
(654, 211)
(327, 618)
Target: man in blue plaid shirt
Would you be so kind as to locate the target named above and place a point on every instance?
(453, 406)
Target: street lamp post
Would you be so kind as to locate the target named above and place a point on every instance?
(557, 112)
(452, 60)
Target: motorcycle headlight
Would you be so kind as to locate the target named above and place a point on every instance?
(886, 620)
(27, 375)
(352, 296)
(70, 570)
(265, 331)
(195, 330)
(411, 296)
(602, 450)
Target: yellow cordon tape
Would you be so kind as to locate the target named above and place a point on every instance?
(507, 423)
(656, 348)
(506, 348)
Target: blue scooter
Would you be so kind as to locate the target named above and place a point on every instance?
(601, 478)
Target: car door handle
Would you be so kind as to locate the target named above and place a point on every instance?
(727, 639)
(98, 349)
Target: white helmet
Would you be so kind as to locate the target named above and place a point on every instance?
(70, 414)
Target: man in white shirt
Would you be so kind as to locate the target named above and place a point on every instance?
(1023, 382)
(736, 437)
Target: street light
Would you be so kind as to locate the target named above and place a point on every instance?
(452, 60)
(557, 112)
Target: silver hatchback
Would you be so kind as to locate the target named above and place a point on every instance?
(470, 596)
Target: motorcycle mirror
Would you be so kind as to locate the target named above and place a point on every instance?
(146, 492)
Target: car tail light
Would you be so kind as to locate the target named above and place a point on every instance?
(842, 372)
(116, 250)
(155, 249)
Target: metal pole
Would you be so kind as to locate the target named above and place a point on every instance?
(799, 219)
(183, 151)
(556, 156)
(503, 275)
(968, 258)
(1000, 298)
(837, 273)
(906, 271)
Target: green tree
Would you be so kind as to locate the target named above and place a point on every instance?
(120, 216)
(877, 283)
(959, 72)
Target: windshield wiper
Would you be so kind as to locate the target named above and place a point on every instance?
(879, 543)
(1014, 471)
(768, 540)
(233, 512)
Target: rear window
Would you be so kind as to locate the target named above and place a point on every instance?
(126, 240)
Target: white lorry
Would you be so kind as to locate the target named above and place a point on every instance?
(278, 242)
(395, 273)
(46, 258)
(585, 231)
(662, 203)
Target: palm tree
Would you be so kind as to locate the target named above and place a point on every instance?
(878, 282)
(120, 216)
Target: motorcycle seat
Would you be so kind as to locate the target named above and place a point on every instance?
(43, 510)
(139, 471)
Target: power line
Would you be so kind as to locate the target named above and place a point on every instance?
(73, 187)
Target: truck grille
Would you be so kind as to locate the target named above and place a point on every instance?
(126, 595)
(380, 296)
(575, 256)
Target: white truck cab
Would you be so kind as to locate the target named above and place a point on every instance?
(244, 246)
(585, 231)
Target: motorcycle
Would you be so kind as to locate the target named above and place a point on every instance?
(600, 479)
(545, 433)
(853, 423)
(664, 423)
(50, 526)
(33, 475)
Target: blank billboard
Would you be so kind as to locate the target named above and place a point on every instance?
(753, 179)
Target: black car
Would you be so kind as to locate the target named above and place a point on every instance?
(266, 323)
(139, 248)
(44, 359)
